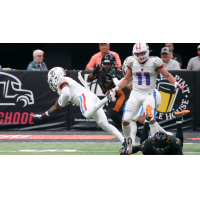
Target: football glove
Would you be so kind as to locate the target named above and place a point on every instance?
(96, 70)
(176, 85)
(38, 116)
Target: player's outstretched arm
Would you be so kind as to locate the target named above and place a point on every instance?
(125, 81)
(116, 81)
(169, 77)
(49, 112)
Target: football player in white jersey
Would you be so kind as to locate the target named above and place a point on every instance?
(140, 116)
(143, 71)
(71, 91)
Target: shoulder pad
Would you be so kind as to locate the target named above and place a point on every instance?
(61, 81)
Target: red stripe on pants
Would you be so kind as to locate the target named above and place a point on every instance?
(85, 107)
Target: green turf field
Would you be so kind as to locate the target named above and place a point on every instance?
(74, 149)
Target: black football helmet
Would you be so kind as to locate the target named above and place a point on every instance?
(108, 61)
(161, 143)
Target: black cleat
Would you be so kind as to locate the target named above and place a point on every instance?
(122, 151)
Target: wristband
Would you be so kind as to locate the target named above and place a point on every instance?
(117, 88)
(47, 113)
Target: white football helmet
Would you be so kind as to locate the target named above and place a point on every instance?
(140, 48)
(53, 76)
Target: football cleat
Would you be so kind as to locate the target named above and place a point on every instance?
(180, 115)
(122, 151)
(129, 146)
(149, 113)
(111, 95)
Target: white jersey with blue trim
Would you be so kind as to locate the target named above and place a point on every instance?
(144, 75)
(76, 89)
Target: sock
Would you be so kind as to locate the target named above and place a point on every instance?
(112, 130)
(154, 128)
(95, 107)
(126, 130)
(179, 133)
(133, 131)
(145, 133)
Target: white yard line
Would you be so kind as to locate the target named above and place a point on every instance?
(57, 150)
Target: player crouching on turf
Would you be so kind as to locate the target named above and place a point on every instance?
(161, 143)
(71, 91)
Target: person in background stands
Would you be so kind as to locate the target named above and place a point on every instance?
(173, 55)
(169, 64)
(4, 69)
(96, 59)
(37, 64)
(194, 63)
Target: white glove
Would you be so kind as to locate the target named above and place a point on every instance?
(176, 85)
(116, 88)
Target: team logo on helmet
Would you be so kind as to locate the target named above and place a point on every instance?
(52, 72)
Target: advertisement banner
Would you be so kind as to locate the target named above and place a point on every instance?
(197, 101)
(172, 101)
(26, 92)
(176, 100)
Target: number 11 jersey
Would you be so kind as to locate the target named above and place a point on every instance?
(144, 75)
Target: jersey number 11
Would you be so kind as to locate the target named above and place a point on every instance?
(146, 75)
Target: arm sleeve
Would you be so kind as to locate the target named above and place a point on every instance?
(116, 81)
(92, 62)
(190, 64)
(65, 97)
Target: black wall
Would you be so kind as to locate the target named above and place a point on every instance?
(77, 55)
